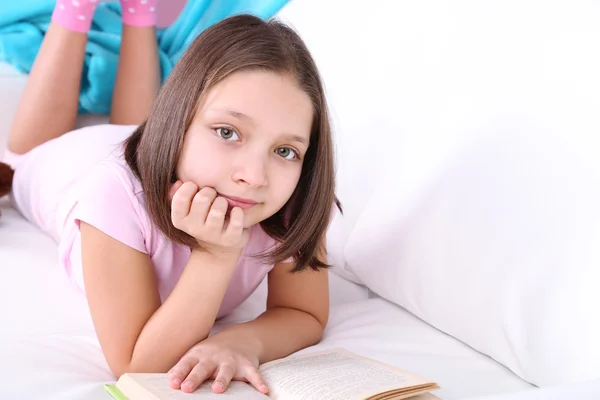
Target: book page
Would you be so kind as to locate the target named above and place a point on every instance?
(158, 385)
(337, 375)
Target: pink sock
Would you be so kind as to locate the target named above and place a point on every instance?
(138, 12)
(75, 15)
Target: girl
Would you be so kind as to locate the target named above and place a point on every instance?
(170, 216)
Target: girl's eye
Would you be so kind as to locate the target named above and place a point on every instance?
(287, 153)
(227, 134)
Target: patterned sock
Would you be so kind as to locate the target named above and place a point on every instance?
(139, 12)
(75, 15)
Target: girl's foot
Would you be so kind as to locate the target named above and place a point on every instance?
(75, 15)
(139, 12)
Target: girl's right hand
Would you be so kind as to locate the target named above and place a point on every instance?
(201, 214)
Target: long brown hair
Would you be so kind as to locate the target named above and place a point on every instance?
(242, 42)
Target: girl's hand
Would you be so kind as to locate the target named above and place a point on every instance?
(218, 360)
(203, 215)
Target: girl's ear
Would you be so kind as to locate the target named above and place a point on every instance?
(6, 177)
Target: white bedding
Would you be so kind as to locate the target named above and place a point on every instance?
(48, 348)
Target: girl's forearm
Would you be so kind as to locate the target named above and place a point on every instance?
(187, 315)
(276, 333)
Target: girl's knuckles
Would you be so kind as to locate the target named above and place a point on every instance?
(216, 215)
(180, 203)
(235, 223)
(246, 363)
(229, 361)
(201, 198)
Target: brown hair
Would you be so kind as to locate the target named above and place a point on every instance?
(6, 177)
(242, 42)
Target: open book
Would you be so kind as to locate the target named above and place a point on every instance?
(333, 375)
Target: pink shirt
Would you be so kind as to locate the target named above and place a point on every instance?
(110, 198)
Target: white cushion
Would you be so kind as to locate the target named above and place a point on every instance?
(502, 253)
(466, 135)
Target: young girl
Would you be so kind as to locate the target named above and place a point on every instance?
(170, 216)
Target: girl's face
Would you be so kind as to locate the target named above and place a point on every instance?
(247, 141)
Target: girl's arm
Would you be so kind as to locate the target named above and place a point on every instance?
(136, 332)
(296, 316)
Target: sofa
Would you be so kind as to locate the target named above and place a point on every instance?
(467, 138)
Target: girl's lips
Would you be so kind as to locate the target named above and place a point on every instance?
(244, 204)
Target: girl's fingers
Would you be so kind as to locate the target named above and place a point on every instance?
(181, 202)
(224, 376)
(182, 369)
(253, 377)
(201, 372)
(201, 206)
(216, 216)
(235, 225)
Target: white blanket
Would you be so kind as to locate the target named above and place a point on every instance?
(48, 349)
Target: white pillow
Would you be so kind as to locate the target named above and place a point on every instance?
(502, 253)
(413, 86)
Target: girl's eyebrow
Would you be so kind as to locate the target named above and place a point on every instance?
(235, 114)
(295, 138)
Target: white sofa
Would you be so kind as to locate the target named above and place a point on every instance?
(467, 148)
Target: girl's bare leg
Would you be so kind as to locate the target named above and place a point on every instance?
(138, 76)
(49, 103)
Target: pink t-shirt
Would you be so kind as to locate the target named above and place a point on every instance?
(110, 198)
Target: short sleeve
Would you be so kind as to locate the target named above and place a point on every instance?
(107, 201)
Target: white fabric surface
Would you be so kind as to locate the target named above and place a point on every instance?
(502, 253)
(589, 390)
(415, 85)
(48, 349)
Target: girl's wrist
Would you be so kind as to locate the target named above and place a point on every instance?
(238, 339)
(224, 258)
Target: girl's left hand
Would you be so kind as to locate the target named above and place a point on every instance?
(216, 359)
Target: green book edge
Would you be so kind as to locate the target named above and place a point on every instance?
(112, 389)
